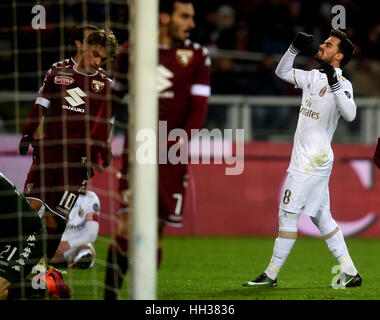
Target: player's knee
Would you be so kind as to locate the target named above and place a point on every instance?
(325, 224)
(288, 224)
(4, 285)
(35, 204)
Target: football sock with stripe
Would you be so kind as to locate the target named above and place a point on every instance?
(281, 250)
(338, 248)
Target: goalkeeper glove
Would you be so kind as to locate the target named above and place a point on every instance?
(332, 78)
(24, 143)
(301, 41)
(376, 156)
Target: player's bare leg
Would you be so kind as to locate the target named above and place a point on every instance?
(4, 285)
(35, 204)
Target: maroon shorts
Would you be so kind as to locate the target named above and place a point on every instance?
(172, 185)
(56, 179)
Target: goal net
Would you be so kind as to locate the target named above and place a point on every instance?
(34, 35)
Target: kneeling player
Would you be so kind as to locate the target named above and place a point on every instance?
(75, 249)
(22, 244)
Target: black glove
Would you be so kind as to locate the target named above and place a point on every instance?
(376, 156)
(301, 41)
(24, 143)
(332, 78)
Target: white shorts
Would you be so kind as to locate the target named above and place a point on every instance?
(305, 193)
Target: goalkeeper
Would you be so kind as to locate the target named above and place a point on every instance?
(326, 95)
(22, 244)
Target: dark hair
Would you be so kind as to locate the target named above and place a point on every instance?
(167, 6)
(345, 46)
(77, 33)
(106, 39)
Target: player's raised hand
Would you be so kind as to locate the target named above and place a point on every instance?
(376, 156)
(330, 72)
(24, 143)
(302, 41)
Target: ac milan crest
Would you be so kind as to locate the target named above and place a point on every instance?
(323, 91)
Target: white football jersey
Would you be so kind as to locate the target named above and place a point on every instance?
(318, 117)
(84, 205)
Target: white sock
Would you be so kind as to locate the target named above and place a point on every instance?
(281, 250)
(338, 248)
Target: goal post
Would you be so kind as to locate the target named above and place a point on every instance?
(143, 118)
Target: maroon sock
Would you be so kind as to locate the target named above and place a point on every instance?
(159, 257)
(117, 266)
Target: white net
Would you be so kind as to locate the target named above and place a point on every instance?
(34, 36)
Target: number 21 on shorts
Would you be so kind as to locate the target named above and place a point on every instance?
(286, 198)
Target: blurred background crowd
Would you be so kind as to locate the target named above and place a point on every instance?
(246, 39)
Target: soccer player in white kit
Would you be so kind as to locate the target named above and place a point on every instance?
(326, 95)
(76, 249)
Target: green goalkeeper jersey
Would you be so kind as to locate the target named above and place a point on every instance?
(15, 206)
(22, 233)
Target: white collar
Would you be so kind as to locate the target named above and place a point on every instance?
(85, 74)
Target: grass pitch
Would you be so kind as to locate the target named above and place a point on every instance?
(214, 268)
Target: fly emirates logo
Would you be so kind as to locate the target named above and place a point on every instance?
(75, 100)
(307, 111)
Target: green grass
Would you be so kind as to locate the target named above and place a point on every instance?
(214, 268)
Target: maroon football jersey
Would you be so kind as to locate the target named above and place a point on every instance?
(183, 70)
(65, 63)
(183, 85)
(79, 106)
